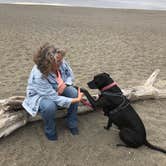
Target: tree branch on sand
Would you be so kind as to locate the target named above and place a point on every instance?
(13, 116)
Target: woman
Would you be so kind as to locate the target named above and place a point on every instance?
(50, 87)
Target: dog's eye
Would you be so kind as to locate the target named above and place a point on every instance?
(95, 82)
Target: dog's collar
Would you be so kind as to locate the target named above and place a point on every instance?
(109, 86)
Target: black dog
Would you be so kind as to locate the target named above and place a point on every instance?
(119, 111)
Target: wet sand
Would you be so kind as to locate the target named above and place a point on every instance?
(128, 44)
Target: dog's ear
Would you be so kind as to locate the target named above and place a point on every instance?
(108, 77)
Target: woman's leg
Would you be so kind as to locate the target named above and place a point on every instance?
(47, 109)
(72, 120)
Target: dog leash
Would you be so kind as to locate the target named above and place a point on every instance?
(86, 103)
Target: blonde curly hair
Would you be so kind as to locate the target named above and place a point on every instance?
(45, 56)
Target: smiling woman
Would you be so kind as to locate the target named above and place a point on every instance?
(123, 4)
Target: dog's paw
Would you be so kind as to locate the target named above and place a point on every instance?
(83, 90)
(75, 87)
(106, 128)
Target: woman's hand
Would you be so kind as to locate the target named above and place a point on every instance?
(78, 99)
(80, 94)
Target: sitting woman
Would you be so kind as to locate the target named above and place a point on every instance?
(50, 87)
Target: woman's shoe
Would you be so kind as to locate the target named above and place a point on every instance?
(74, 131)
(53, 137)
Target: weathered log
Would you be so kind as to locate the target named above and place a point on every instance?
(146, 91)
(12, 120)
(13, 116)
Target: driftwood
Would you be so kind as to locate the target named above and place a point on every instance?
(13, 116)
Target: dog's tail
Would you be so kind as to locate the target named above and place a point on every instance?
(123, 145)
(154, 147)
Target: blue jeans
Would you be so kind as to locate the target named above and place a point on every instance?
(48, 110)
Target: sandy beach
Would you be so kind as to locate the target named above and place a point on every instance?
(128, 44)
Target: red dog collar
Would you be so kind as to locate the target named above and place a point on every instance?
(109, 86)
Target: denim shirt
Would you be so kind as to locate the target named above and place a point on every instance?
(46, 87)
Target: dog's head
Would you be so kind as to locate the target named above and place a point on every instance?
(100, 80)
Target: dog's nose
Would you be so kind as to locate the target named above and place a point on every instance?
(92, 85)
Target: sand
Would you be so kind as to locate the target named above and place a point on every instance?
(128, 44)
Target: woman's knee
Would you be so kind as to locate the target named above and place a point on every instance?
(72, 92)
(47, 107)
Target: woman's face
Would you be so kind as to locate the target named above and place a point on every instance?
(59, 58)
(58, 61)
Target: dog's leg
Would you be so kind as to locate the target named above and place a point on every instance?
(89, 97)
(109, 124)
(95, 103)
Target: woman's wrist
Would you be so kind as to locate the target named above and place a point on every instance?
(76, 100)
